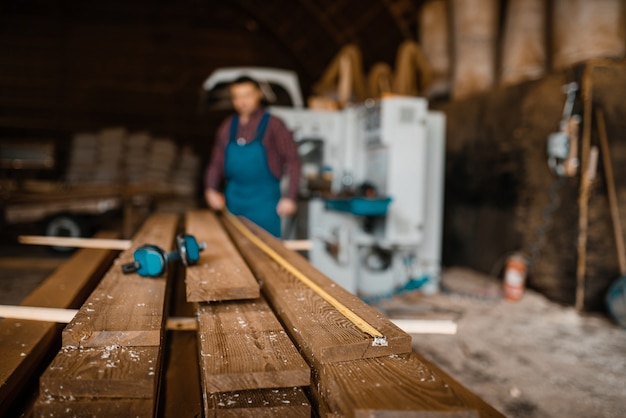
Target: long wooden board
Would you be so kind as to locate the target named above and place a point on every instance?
(24, 344)
(126, 309)
(395, 385)
(102, 372)
(69, 407)
(112, 348)
(243, 346)
(220, 274)
(264, 403)
(320, 331)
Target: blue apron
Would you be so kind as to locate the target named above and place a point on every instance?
(252, 190)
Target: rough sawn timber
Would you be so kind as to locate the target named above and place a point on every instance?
(221, 273)
(127, 305)
(395, 386)
(126, 309)
(25, 344)
(321, 332)
(243, 346)
(261, 403)
(103, 372)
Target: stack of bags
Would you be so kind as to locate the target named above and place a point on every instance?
(135, 157)
(83, 157)
(111, 144)
(160, 162)
(185, 173)
(114, 157)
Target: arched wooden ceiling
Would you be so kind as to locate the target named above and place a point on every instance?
(313, 31)
(72, 65)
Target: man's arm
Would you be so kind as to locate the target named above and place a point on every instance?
(214, 174)
(290, 163)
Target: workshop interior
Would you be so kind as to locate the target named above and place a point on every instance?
(458, 243)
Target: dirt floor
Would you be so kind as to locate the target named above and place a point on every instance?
(532, 358)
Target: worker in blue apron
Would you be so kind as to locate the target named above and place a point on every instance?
(252, 151)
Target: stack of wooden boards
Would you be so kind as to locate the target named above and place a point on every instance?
(25, 345)
(109, 363)
(278, 349)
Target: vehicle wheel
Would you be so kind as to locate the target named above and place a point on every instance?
(65, 226)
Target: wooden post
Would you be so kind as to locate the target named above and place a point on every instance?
(220, 274)
(583, 197)
(610, 186)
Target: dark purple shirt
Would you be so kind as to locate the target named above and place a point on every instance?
(281, 150)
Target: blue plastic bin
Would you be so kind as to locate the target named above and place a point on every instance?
(360, 206)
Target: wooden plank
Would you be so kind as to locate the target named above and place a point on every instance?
(243, 346)
(221, 273)
(25, 344)
(37, 314)
(396, 386)
(30, 263)
(611, 191)
(265, 403)
(583, 196)
(101, 372)
(114, 354)
(67, 407)
(319, 330)
(111, 244)
(126, 309)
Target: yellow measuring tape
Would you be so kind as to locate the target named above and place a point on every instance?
(379, 339)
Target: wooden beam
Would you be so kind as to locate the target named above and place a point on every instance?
(298, 244)
(264, 403)
(86, 407)
(112, 350)
(583, 196)
(220, 274)
(111, 244)
(102, 372)
(611, 192)
(426, 326)
(243, 346)
(38, 314)
(320, 331)
(402, 385)
(126, 309)
(64, 316)
(25, 344)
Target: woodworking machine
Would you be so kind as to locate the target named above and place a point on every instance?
(376, 228)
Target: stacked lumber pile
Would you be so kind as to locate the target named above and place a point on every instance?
(290, 347)
(24, 345)
(351, 376)
(109, 364)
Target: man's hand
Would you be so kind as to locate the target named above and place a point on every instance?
(286, 207)
(214, 199)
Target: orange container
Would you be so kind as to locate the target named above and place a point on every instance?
(515, 277)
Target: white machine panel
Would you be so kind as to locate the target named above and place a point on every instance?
(398, 146)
